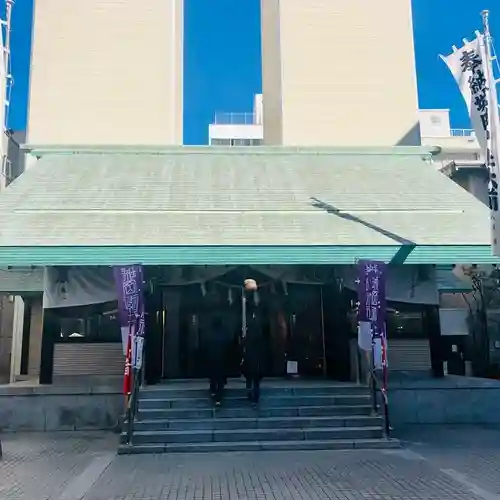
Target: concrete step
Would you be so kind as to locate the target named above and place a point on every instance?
(249, 412)
(265, 402)
(163, 391)
(256, 423)
(221, 447)
(240, 435)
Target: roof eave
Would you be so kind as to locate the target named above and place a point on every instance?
(239, 255)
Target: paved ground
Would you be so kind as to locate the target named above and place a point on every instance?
(468, 454)
(438, 464)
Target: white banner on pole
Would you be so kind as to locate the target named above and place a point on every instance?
(137, 352)
(378, 358)
(364, 336)
(462, 63)
(471, 68)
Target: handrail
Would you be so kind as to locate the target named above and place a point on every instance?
(232, 118)
(462, 132)
(374, 386)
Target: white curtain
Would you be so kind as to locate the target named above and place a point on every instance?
(78, 286)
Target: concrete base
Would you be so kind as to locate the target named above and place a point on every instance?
(420, 399)
(60, 408)
(414, 398)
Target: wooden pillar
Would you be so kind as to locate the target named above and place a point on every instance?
(50, 331)
(25, 347)
(154, 336)
(433, 327)
(171, 361)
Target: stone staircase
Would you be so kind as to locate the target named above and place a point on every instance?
(292, 415)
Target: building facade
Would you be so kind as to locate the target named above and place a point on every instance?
(12, 306)
(291, 221)
(459, 154)
(210, 216)
(106, 72)
(89, 64)
(337, 73)
(238, 129)
(467, 317)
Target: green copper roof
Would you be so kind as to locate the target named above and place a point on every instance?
(234, 255)
(238, 204)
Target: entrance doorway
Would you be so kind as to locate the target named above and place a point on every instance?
(302, 323)
(306, 342)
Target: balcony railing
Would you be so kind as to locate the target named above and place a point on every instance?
(462, 132)
(234, 118)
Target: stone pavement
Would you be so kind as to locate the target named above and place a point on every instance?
(43, 466)
(440, 463)
(470, 454)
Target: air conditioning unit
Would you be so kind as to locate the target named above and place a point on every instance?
(436, 120)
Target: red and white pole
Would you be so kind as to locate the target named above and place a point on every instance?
(127, 376)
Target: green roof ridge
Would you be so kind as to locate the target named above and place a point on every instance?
(41, 150)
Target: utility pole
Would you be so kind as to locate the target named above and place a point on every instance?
(5, 85)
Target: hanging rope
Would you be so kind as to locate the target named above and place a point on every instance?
(497, 64)
(495, 58)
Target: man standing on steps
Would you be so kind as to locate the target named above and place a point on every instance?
(253, 343)
(217, 352)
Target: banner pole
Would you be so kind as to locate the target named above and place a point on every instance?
(485, 14)
(128, 367)
(492, 130)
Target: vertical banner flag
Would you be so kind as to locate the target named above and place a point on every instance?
(372, 309)
(129, 283)
(472, 70)
(371, 295)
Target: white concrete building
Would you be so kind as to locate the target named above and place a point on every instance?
(456, 144)
(459, 154)
(106, 72)
(339, 73)
(238, 129)
(102, 73)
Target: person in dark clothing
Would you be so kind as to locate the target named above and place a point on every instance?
(217, 348)
(253, 355)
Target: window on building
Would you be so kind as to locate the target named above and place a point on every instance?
(246, 142)
(236, 142)
(221, 142)
(89, 324)
(240, 142)
(405, 320)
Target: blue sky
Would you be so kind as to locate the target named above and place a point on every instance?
(222, 57)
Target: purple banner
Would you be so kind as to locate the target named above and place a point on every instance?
(371, 295)
(129, 284)
(129, 287)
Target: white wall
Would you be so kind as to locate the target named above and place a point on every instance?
(339, 73)
(234, 131)
(434, 122)
(258, 109)
(106, 72)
